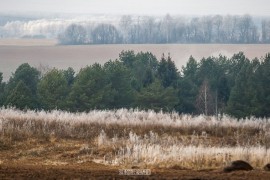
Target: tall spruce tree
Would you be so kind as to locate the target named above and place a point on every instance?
(263, 87)
(188, 87)
(89, 89)
(27, 76)
(21, 97)
(53, 90)
(119, 93)
(240, 103)
(167, 72)
(157, 98)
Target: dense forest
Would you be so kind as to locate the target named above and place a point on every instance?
(169, 29)
(215, 85)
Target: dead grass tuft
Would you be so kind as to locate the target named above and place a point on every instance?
(130, 138)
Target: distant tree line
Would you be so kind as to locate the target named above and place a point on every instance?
(214, 85)
(206, 29)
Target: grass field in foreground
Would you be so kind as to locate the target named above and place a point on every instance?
(127, 138)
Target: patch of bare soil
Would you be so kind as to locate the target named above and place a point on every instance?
(96, 171)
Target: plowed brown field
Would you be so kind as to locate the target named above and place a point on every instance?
(95, 171)
(64, 159)
(47, 53)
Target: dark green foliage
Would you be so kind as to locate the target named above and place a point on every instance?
(97, 87)
(187, 96)
(119, 93)
(128, 58)
(143, 67)
(188, 87)
(156, 97)
(2, 88)
(167, 72)
(27, 77)
(263, 87)
(212, 86)
(69, 75)
(191, 69)
(21, 97)
(240, 103)
(223, 92)
(53, 90)
(88, 90)
(1, 77)
(213, 71)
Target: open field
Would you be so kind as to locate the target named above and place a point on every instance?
(98, 143)
(28, 42)
(48, 54)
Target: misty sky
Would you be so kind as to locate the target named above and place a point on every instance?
(147, 7)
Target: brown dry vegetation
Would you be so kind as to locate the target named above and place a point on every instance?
(39, 146)
(68, 159)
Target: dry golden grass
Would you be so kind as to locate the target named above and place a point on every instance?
(130, 138)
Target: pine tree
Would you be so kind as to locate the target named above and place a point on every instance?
(167, 72)
(263, 87)
(241, 102)
(188, 88)
(53, 90)
(21, 97)
(89, 89)
(119, 93)
(157, 98)
(29, 76)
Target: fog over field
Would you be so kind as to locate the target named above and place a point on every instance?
(47, 26)
(30, 30)
(48, 19)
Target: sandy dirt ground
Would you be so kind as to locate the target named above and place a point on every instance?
(96, 171)
(65, 159)
(48, 54)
